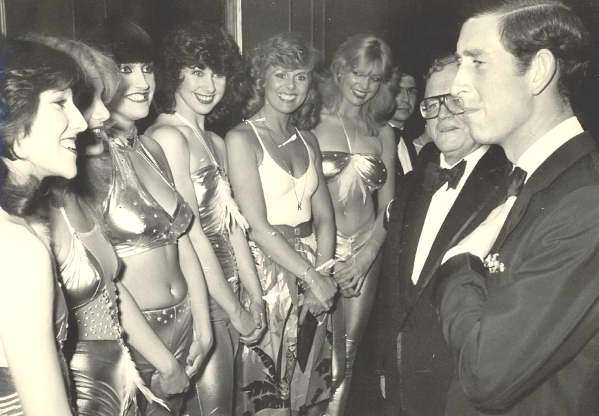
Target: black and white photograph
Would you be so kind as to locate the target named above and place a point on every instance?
(299, 207)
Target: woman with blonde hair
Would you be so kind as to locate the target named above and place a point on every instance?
(274, 167)
(358, 162)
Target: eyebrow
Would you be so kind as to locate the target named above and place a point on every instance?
(472, 53)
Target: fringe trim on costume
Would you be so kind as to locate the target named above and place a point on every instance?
(229, 212)
(349, 180)
(134, 382)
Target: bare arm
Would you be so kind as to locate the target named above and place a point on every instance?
(177, 152)
(27, 291)
(196, 284)
(245, 181)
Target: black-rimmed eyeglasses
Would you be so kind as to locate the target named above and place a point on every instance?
(430, 107)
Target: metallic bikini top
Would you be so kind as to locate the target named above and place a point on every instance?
(363, 171)
(217, 211)
(134, 221)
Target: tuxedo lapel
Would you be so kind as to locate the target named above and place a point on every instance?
(478, 196)
(415, 214)
(558, 162)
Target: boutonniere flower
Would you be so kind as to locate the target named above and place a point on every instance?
(492, 263)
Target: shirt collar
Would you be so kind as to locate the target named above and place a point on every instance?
(544, 147)
(390, 123)
(471, 159)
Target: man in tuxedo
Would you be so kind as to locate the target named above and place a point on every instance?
(462, 173)
(405, 88)
(518, 297)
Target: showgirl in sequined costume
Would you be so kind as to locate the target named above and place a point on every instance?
(103, 373)
(199, 80)
(274, 167)
(39, 123)
(357, 160)
(145, 219)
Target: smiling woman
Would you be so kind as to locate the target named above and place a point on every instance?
(277, 181)
(38, 127)
(146, 220)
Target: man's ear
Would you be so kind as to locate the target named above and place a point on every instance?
(542, 70)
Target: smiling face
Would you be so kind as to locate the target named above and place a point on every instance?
(50, 145)
(361, 83)
(286, 90)
(137, 91)
(449, 132)
(200, 90)
(495, 94)
(405, 98)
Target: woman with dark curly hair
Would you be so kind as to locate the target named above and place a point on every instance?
(38, 126)
(199, 79)
(358, 159)
(275, 171)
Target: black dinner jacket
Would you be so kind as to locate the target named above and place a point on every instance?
(536, 352)
(407, 306)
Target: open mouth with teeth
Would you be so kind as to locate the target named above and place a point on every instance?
(204, 99)
(287, 97)
(138, 97)
(69, 144)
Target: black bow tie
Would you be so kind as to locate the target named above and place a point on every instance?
(515, 181)
(439, 176)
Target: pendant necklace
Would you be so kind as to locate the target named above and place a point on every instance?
(298, 198)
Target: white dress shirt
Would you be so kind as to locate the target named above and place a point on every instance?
(402, 152)
(441, 203)
(480, 241)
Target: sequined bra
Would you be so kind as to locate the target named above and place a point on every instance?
(134, 221)
(363, 171)
(217, 211)
(89, 265)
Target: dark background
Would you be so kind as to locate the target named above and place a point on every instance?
(416, 30)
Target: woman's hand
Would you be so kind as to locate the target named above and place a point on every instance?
(173, 379)
(312, 304)
(258, 314)
(323, 288)
(198, 352)
(350, 274)
(243, 322)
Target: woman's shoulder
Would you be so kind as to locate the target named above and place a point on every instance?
(165, 132)
(241, 135)
(21, 250)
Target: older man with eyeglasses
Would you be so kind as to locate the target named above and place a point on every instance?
(416, 364)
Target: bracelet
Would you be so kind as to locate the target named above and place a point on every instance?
(304, 275)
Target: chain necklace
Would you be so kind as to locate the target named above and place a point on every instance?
(286, 166)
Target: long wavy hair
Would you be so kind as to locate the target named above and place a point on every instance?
(361, 48)
(288, 51)
(27, 69)
(202, 45)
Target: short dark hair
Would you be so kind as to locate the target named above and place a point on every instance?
(527, 26)
(203, 45)
(439, 63)
(290, 51)
(27, 69)
(125, 40)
